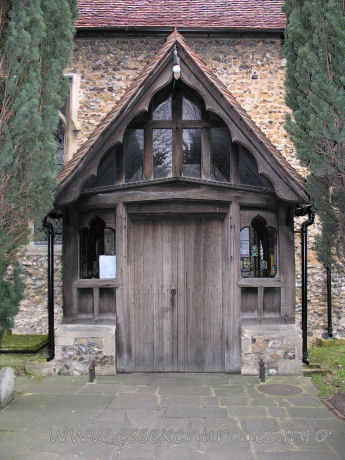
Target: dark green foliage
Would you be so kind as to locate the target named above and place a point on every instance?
(315, 85)
(10, 296)
(36, 39)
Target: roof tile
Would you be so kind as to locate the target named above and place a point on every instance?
(218, 14)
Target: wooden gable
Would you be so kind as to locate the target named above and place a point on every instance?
(288, 184)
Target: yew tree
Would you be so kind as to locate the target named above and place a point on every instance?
(315, 92)
(36, 40)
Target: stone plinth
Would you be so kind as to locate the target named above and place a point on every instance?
(77, 345)
(45, 368)
(279, 346)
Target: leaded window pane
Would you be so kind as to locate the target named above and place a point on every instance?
(163, 110)
(191, 152)
(105, 173)
(162, 153)
(134, 154)
(249, 174)
(220, 154)
(190, 111)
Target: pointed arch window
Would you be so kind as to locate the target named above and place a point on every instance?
(177, 137)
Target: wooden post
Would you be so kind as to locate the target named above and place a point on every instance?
(233, 304)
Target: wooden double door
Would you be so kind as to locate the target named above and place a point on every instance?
(175, 293)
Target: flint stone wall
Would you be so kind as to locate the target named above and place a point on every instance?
(76, 346)
(278, 346)
(33, 313)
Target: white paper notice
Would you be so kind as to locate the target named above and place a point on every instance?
(107, 267)
(244, 248)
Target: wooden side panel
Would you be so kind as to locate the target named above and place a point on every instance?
(214, 296)
(249, 301)
(271, 301)
(85, 301)
(138, 295)
(192, 302)
(157, 292)
(180, 316)
(107, 302)
(165, 307)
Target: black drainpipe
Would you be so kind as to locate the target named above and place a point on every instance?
(51, 342)
(304, 236)
(329, 301)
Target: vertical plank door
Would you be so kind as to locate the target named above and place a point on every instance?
(175, 294)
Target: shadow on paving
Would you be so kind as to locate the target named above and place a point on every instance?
(163, 416)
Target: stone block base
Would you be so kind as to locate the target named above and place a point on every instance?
(279, 346)
(77, 345)
(45, 368)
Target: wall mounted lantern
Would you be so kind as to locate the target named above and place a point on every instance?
(176, 65)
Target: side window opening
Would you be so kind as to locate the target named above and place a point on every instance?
(258, 250)
(97, 257)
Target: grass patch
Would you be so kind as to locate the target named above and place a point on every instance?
(22, 343)
(330, 355)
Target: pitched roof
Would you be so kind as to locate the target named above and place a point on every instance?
(237, 111)
(207, 14)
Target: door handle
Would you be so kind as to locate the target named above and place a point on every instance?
(173, 290)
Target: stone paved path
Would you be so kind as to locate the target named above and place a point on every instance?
(167, 416)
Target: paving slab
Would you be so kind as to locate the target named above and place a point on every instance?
(183, 401)
(252, 426)
(249, 411)
(304, 401)
(134, 401)
(167, 416)
(266, 402)
(109, 388)
(277, 412)
(315, 413)
(143, 418)
(188, 425)
(193, 390)
(196, 412)
(304, 454)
